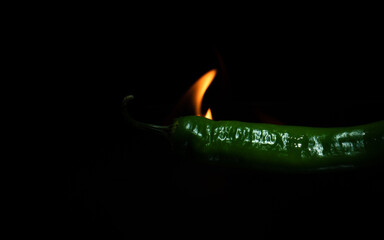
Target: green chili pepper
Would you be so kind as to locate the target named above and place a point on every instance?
(273, 147)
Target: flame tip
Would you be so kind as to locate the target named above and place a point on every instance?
(196, 92)
(208, 114)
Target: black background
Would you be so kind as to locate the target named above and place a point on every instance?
(123, 182)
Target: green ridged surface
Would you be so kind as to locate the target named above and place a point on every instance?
(278, 147)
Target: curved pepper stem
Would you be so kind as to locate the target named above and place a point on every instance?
(163, 130)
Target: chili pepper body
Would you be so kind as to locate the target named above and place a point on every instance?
(278, 147)
(271, 147)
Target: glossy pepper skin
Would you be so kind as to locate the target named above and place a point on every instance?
(277, 147)
(272, 147)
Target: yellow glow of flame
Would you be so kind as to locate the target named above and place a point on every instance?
(197, 91)
(208, 114)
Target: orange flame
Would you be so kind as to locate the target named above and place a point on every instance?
(208, 114)
(197, 91)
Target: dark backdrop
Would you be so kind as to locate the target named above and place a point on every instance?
(122, 181)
